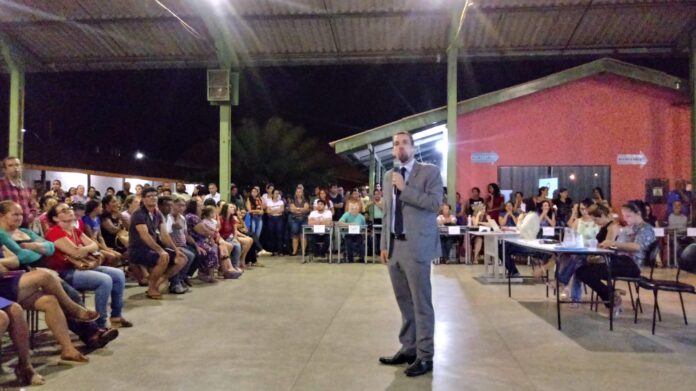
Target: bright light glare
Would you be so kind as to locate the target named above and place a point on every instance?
(24, 130)
(441, 146)
(572, 177)
(139, 155)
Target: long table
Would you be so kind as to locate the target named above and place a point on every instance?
(491, 239)
(557, 250)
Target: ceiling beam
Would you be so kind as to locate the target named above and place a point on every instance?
(326, 13)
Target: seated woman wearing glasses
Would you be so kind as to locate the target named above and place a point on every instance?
(38, 289)
(77, 261)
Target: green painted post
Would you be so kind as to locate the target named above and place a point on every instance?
(373, 166)
(16, 142)
(225, 150)
(452, 58)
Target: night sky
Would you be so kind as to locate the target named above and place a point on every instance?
(164, 112)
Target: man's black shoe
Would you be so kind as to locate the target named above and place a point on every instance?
(419, 367)
(397, 359)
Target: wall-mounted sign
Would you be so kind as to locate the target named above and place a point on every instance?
(484, 157)
(632, 159)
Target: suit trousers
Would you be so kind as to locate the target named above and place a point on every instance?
(410, 279)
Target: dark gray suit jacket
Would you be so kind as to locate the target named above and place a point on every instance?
(422, 198)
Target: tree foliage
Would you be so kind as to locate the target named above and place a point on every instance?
(277, 152)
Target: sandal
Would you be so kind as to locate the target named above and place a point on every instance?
(73, 360)
(153, 296)
(87, 316)
(27, 376)
(122, 322)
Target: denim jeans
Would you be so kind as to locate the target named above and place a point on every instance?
(184, 272)
(106, 282)
(569, 266)
(256, 225)
(236, 252)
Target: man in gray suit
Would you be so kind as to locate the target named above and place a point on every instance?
(410, 241)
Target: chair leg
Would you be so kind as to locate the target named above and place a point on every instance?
(638, 304)
(630, 292)
(654, 311)
(681, 299)
(635, 310)
(584, 287)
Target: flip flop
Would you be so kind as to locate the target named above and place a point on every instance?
(153, 297)
(92, 318)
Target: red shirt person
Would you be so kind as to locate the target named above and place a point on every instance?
(12, 188)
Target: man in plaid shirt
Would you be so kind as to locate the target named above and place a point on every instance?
(12, 188)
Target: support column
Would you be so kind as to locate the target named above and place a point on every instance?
(16, 141)
(692, 91)
(225, 150)
(452, 58)
(373, 166)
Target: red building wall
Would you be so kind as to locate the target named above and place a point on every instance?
(586, 122)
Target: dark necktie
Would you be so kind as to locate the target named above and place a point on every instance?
(398, 208)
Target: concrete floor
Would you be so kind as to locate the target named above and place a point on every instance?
(322, 327)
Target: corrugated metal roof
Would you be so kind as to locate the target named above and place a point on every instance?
(122, 34)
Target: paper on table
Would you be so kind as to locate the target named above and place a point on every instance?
(659, 232)
(353, 229)
(691, 232)
(484, 229)
(319, 229)
(547, 231)
(455, 230)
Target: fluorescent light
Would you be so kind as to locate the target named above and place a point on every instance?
(139, 155)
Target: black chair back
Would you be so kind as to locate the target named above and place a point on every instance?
(687, 259)
(651, 256)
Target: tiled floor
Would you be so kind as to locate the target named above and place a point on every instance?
(322, 327)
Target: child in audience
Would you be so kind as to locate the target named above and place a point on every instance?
(677, 219)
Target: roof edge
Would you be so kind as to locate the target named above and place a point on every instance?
(439, 115)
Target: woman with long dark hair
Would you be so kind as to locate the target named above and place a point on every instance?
(494, 201)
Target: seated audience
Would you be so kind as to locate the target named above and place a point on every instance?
(209, 260)
(78, 262)
(677, 220)
(177, 229)
(480, 218)
(354, 244)
(319, 243)
(79, 195)
(150, 245)
(46, 203)
(92, 228)
(209, 217)
(114, 234)
(547, 214)
(509, 217)
(228, 232)
(564, 207)
(24, 248)
(130, 205)
(446, 218)
(632, 251)
(12, 319)
(42, 291)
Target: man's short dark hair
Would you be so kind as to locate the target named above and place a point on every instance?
(320, 201)
(410, 136)
(147, 190)
(161, 200)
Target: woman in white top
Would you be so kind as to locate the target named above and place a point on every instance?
(324, 196)
(275, 207)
